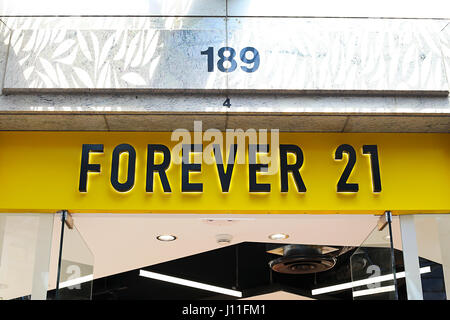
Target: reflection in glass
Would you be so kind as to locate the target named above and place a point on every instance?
(76, 271)
(25, 243)
(372, 268)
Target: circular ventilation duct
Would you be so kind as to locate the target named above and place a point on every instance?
(304, 259)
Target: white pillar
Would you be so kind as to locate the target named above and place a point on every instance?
(411, 258)
(2, 241)
(444, 242)
(2, 234)
(42, 257)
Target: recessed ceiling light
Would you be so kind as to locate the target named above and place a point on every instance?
(166, 237)
(224, 238)
(278, 236)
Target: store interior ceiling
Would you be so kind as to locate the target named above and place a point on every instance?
(119, 245)
(124, 242)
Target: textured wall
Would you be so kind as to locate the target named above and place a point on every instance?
(166, 112)
(285, 8)
(445, 45)
(58, 68)
(5, 34)
(364, 55)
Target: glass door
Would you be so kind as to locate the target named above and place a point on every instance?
(75, 264)
(372, 265)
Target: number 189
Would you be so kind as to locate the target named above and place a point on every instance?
(227, 62)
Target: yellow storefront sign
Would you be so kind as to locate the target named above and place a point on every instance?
(312, 173)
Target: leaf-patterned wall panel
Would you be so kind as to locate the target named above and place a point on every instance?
(110, 59)
(5, 37)
(445, 41)
(341, 54)
(113, 8)
(165, 53)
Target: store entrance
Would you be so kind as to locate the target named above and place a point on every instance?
(179, 256)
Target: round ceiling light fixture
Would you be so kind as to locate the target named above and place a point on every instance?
(278, 236)
(224, 239)
(166, 237)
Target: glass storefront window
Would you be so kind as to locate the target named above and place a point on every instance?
(25, 246)
(433, 243)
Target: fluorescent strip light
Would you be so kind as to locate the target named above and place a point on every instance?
(74, 282)
(358, 283)
(188, 283)
(367, 292)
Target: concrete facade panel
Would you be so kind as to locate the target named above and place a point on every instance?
(288, 123)
(52, 122)
(331, 8)
(5, 36)
(398, 124)
(163, 122)
(164, 53)
(213, 103)
(114, 7)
